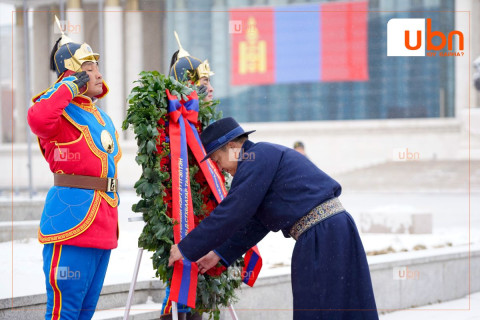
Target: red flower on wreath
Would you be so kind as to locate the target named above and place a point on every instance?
(200, 177)
(167, 199)
(216, 271)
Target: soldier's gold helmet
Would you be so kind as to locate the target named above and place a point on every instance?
(68, 55)
(185, 67)
(67, 58)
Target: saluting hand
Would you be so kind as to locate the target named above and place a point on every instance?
(82, 79)
(207, 262)
(175, 255)
(201, 90)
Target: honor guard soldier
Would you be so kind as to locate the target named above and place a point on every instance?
(184, 67)
(79, 223)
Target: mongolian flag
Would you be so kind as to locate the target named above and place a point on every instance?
(253, 264)
(303, 43)
(183, 134)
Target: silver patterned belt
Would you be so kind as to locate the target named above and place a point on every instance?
(315, 216)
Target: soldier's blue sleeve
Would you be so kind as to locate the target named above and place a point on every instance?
(241, 241)
(249, 187)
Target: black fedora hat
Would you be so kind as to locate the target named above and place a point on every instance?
(219, 134)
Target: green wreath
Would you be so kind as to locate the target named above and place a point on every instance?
(147, 113)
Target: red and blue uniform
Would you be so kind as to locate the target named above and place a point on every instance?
(78, 227)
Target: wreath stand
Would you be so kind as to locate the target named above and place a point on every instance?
(133, 283)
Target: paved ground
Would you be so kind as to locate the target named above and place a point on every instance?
(456, 309)
(467, 308)
(414, 176)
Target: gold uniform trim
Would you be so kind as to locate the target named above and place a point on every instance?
(100, 154)
(92, 109)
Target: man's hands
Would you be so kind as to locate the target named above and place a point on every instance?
(175, 255)
(82, 79)
(207, 262)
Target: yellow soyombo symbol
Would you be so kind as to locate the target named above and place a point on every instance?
(252, 56)
(107, 141)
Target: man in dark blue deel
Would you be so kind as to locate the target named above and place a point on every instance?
(276, 188)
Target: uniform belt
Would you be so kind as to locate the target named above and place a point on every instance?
(315, 216)
(85, 182)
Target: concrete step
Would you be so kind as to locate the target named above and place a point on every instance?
(21, 230)
(443, 275)
(111, 297)
(146, 311)
(21, 210)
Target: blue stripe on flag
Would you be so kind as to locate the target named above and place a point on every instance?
(297, 44)
(185, 285)
(250, 266)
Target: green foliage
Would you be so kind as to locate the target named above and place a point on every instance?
(147, 106)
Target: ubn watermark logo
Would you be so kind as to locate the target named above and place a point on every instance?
(67, 27)
(235, 26)
(64, 273)
(403, 154)
(239, 274)
(64, 154)
(238, 154)
(412, 37)
(403, 273)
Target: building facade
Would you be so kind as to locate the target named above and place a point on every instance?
(423, 103)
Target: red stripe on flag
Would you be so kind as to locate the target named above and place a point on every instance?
(344, 41)
(253, 45)
(193, 285)
(176, 280)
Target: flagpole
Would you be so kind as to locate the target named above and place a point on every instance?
(131, 291)
(132, 284)
(174, 311)
(233, 314)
